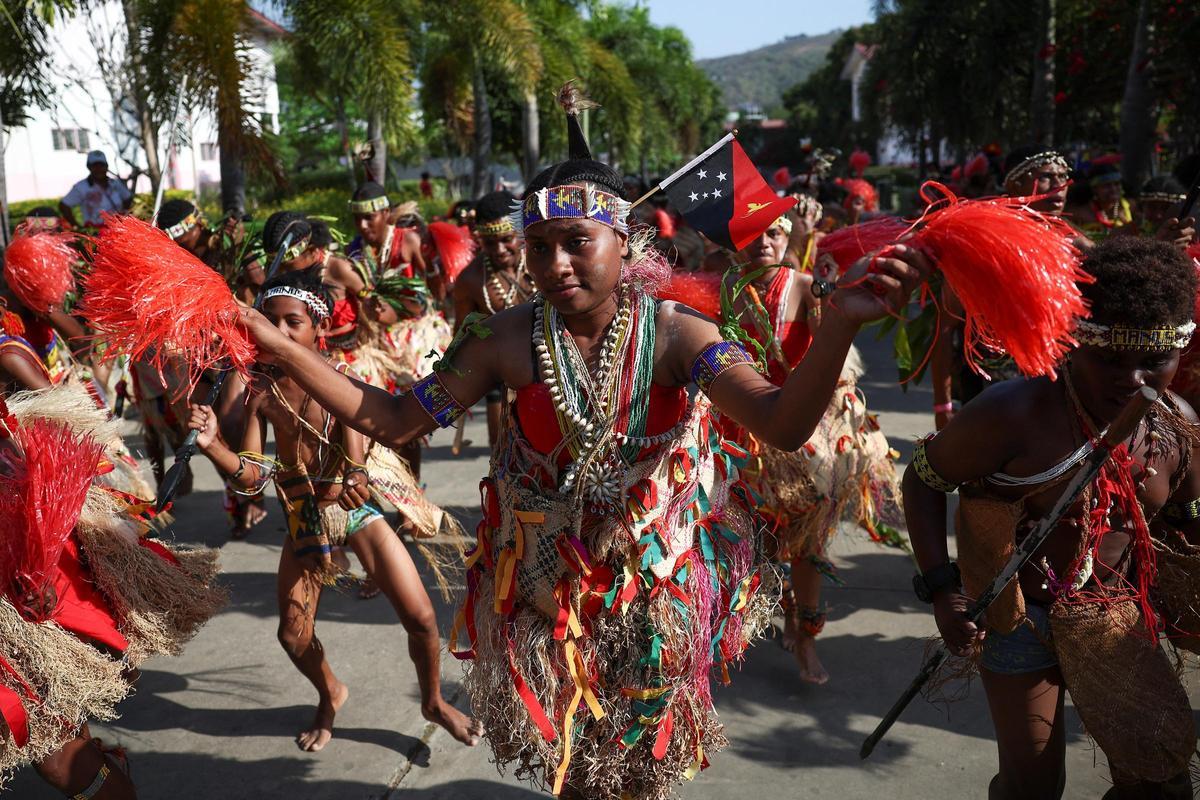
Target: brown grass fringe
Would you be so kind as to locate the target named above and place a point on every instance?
(74, 681)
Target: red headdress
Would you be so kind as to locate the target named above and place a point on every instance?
(37, 267)
(856, 187)
(44, 479)
(859, 161)
(149, 298)
(454, 246)
(1016, 272)
(782, 177)
(976, 166)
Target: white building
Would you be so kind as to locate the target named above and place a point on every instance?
(45, 157)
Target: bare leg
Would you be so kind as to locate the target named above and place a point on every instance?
(493, 422)
(299, 594)
(74, 766)
(386, 560)
(1027, 713)
(806, 593)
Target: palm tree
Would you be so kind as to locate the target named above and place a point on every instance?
(461, 58)
(357, 52)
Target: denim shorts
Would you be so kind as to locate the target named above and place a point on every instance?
(1022, 650)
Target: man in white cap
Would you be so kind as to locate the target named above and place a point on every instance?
(95, 194)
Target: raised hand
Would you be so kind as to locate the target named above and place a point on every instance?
(877, 286)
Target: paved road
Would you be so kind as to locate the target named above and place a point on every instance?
(218, 721)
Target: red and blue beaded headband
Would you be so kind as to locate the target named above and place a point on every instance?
(572, 202)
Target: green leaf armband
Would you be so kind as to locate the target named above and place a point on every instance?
(927, 473)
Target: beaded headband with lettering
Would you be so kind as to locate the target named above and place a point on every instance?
(318, 306)
(497, 227)
(571, 202)
(1125, 337)
(370, 205)
(1162, 197)
(1047, 158)
(184, 225)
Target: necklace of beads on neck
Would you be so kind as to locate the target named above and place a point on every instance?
(493, 281)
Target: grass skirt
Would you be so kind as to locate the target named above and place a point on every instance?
(594, 635)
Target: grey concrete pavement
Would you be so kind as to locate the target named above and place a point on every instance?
(219, 721)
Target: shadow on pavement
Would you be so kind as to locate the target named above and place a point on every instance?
(458, 790)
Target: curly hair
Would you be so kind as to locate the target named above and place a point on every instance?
(173, 212)
(1140, 282)
(494, 206)
(579, 170)
(309, 281)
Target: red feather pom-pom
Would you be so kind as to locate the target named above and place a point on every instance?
(38, 268)
(976, 166)
(45, 472)
(149, 298)
(454, 246)
(699, 290)
(859, 161)
(1016, 272)
(849, 244)
(856, 187)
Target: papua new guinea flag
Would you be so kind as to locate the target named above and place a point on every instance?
(721, 194)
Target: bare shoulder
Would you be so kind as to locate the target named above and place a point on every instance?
(471, 277)
(1184, 407)
(677, 320)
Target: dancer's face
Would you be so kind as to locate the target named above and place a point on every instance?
(294, 320)
(1106, 378)
(575, 263)
(503, 251)
(372, 227)
(1050, 180)
(767, 250)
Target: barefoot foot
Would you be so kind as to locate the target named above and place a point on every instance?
(811, 669)
(460, 726)
(321, 730)
(791, 624)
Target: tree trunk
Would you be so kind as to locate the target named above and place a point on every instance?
(1138, 115)
(1041, 100)
(3, 191)
(344, 132)
(233, 176)
(147, 129)
(482, 155)
(376, 166)
(532, 136)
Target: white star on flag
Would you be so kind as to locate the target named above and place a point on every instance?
(694, 196)
(703, 174)
(706, 194)
(721, 176)
(716, 192)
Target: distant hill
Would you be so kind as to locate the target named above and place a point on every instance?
(760, 76)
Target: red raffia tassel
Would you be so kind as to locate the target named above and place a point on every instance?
(37, 267)
(699, 290)
(849, 244)
(1016, 272)
(45, 473)
(454, 247)
(149, 298)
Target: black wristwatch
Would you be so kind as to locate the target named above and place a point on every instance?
(940, 577)
(822, 288)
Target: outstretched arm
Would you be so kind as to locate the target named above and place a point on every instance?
(380, 416)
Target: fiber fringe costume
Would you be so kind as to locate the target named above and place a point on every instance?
(617, 565)
(844, 472)
(83, 596)
(1105, 638)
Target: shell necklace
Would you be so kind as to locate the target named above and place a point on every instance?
(493, 282)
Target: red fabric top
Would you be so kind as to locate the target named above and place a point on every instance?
(794, 335)
(82, 609)
(345, 312)
(536, 415)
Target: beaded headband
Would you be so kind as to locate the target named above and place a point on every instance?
(1047, 158)
(571, 202)
(1162, 197)
(1125, 337)
(1111, 176)
(184, 225)
(370, 205)
(784, 223)
(498, 227)
(318, 306)
(296, 249)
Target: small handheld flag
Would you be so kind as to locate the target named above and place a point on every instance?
(721, 194)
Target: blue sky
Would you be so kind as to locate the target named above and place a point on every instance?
(724, 27)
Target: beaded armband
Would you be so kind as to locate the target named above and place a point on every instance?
(1182, 512)
(715, 359)
(437, 401)
(927, 473)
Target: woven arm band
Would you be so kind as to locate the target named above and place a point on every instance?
(927, 473)
(437, 401)
(715, 359)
